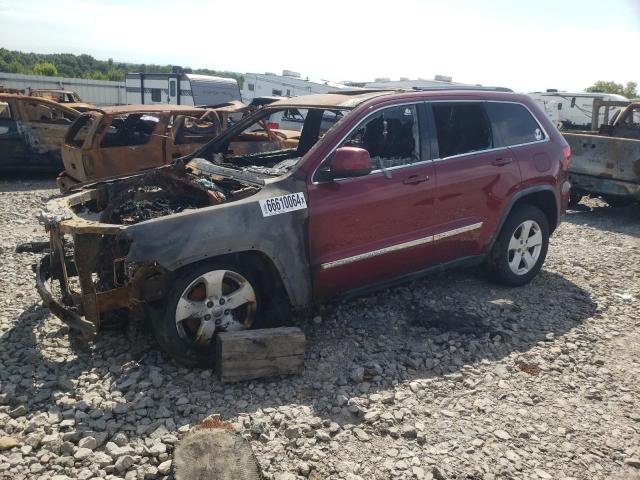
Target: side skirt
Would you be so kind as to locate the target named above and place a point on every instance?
(464, 262)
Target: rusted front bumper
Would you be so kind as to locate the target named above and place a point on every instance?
(68, 313)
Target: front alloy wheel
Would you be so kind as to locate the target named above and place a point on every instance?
(219, 300)
(205, 300)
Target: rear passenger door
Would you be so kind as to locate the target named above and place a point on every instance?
(515, 127)
(475, 175)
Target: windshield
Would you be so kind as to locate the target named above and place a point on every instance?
(272, 141)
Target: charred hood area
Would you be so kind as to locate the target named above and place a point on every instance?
(159, 193)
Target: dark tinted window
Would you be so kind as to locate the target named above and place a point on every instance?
(461, 128)
(513, 124)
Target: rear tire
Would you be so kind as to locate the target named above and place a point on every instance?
(616, 202)
(574, 197)
(521, 247)
(201, 304)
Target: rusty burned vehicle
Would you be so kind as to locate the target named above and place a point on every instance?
(31, 133)
(67, 97)
(606, 160)
(235, 234)
(113, 141)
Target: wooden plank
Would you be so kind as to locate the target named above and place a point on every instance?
(251, 354)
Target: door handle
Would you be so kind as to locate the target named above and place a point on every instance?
(499, 162)
(414, 179)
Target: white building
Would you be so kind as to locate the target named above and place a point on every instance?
(96, 92)
(289, 84)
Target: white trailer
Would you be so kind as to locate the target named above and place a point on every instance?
(180, 89)
(289, 84)
(572, 111)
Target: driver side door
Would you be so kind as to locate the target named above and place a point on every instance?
(363, 230)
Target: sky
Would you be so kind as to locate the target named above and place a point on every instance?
(527, 46)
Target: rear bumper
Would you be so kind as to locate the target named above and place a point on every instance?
(605, 186)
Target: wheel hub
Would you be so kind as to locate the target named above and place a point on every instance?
(228, 304)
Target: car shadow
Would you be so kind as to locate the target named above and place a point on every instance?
(427, 329)
(596, 214)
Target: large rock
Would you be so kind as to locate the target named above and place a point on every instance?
(215, 453)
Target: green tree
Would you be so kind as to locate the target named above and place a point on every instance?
(601, 86)
(45, 68)
(15, 67)
(115, 75)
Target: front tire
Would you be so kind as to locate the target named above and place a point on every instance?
(205, 300)
(521, 247)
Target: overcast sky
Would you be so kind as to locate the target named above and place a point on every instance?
(532, 45)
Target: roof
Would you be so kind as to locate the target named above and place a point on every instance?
(147, 108)
(26, 98)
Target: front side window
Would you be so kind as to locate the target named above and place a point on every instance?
(513, 124)
(390, 136)
(461, 128)
(156, 95)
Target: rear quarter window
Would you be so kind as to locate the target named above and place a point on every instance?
(78, 131)
(513, 124)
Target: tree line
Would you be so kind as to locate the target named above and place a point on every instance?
(85, 66)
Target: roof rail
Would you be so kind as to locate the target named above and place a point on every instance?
(464, 87)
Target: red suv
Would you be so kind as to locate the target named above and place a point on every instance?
(311, 197)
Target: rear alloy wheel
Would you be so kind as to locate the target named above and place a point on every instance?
(206, 301)
(521, 247)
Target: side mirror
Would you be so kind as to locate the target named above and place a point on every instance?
(350, 162)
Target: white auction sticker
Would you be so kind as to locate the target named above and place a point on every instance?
(283, 204)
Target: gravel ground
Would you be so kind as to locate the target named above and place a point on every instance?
(450, 377)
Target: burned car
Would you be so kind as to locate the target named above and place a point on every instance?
(118, 140)
(31, 132)
(233, 235)
(68, 97)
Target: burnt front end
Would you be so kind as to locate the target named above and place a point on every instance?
(83, 278)
(88, 278)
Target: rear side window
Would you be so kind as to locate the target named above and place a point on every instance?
(128, 130)
(513, 124)
(79, 130)
(5, 111)
(461, 128)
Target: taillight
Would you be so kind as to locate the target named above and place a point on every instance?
(566, 157)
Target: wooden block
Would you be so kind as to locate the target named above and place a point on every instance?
(251, 354)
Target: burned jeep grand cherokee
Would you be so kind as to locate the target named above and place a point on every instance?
(309, 197)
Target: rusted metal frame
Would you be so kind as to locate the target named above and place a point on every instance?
(58, 265)
(86, 249)
(599, 103)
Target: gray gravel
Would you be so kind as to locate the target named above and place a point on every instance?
(450, 377)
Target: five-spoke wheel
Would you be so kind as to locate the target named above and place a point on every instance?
(205, 300)
(521, 246)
